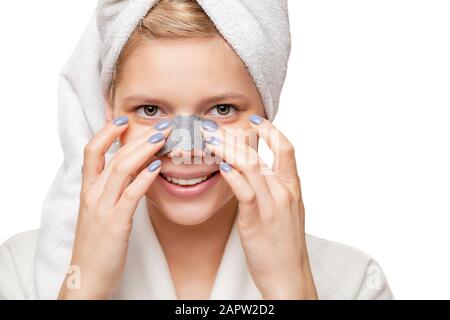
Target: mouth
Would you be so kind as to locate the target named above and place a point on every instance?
(186, 186)
(186, 182)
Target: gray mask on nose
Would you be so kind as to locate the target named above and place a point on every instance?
(185, 135)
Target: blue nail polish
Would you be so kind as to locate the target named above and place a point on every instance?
(225, 167)
(209, 125)
(162, 125)
(119, 121)
(157, 137)
(154, 165)
(255, 119)
(213, 140)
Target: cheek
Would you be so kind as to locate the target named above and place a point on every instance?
(134, 130)
(242, 131)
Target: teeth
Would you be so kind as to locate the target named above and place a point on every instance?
(185, 182)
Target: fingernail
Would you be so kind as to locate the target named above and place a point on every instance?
(213, 140)
(209, 125)
(154, 165)
(162, 125)
(225, 167)
(255, 119)
(119, 121)
(157, 137)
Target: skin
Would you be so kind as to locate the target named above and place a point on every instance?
(179, 76)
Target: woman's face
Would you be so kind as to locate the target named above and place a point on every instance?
(163, 78)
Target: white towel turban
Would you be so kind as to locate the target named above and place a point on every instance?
(258, 31)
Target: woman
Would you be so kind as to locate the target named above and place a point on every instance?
(227, 228)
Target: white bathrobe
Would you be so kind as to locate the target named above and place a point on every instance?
(339, 271)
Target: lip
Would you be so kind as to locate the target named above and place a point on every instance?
(188, 191)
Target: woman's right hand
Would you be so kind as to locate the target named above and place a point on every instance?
(108, 199)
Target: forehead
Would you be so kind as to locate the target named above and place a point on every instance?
(165, 65)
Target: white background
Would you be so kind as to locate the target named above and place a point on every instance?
(366, 103)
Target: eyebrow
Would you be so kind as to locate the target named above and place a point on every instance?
(225, 96)
(210, 100)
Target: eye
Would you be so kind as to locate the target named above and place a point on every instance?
(223, 110)
(148, 111)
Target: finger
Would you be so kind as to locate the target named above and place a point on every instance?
(127, 149)
(131, 145)
(276, 188)
(248, 207)
(94, 151)
(136, 190)
(284, 154)
(245, 160)
(125, 168)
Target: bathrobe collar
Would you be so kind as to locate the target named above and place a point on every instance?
(147, 275)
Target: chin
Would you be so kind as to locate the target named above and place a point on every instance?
(187, 214)
(189, 204)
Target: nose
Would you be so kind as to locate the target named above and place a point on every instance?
(185, 135)
(180, 156)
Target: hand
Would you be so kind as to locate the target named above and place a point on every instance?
(108, 199)
(271, 215)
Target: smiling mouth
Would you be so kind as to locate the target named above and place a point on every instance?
(188, 182)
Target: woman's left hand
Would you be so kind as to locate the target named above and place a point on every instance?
(271, 215)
